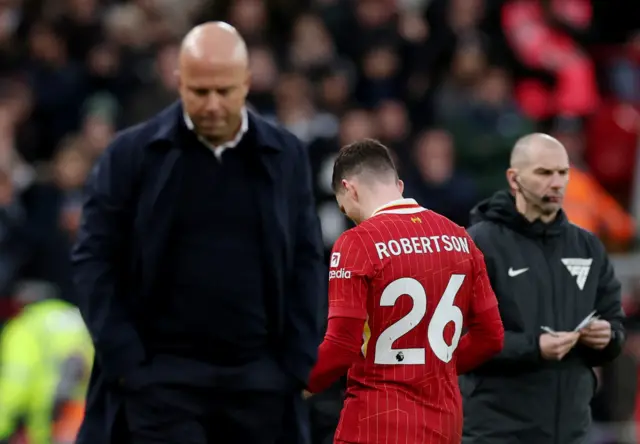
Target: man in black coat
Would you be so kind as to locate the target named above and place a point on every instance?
(548, 275)
(199, 267)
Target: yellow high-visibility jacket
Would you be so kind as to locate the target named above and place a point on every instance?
(45, 362)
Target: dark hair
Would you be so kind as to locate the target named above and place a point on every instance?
(364, 155)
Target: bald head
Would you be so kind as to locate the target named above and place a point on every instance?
(525, 148)
(215, 43)
(214, 80)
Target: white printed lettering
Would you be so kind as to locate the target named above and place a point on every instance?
(426, 244)
(406, 245)
(446, 242)
(415, 243)
(381, 247)
(422, 245)
(394, 247)
(464, 243)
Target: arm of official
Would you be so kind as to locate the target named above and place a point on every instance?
(97, 259)
(485, 334)
(608, 307)
(348, 289)
(304, 320)
(519, 348)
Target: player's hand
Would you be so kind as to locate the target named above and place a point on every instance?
(555, 347)
(306, 394)
(596, 335)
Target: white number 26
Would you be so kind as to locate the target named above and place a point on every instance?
(444, 313)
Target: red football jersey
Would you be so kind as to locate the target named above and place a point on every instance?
(412, 276)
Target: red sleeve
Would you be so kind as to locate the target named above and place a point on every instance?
(348, 283)
(339, 350)
(485, 335)
(483, 340)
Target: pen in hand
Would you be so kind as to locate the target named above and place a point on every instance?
(549, 330)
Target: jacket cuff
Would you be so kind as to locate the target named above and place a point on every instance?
(537, 356)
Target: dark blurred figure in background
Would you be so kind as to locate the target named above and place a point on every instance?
(485, 128)
(436, 183)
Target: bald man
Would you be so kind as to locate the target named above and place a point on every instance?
(199, 267)
(549, 276)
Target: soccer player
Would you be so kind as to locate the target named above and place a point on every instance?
(402, 285)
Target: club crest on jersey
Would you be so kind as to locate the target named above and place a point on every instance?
(335, 260)
(416, 220)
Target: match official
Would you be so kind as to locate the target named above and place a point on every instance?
(548, 275)
(199, 267)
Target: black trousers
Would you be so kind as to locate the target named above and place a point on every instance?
(171, 414)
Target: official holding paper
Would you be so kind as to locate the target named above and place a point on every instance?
(550, 277)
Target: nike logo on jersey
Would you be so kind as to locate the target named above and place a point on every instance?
(514, 273)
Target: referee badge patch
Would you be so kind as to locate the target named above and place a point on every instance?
(579, 268)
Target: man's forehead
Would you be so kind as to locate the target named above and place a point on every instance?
(548, 158)
(209, 76)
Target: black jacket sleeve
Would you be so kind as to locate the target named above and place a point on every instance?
(519, 347)
(304, 318)
(100, 257)
(609, 308)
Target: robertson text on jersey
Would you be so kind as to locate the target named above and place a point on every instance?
(422, 245)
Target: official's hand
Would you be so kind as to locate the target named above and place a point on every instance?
(306, 394)
(555, 347)
(596, 335)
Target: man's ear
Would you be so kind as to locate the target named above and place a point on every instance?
(350, 189)
(512, 179)
(400, 186)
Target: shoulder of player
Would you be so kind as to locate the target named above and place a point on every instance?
(445, 220)
(359, 234)
(355, 241)
(363, 236)
(441, 220)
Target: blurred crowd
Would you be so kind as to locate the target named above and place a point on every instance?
(449, 85)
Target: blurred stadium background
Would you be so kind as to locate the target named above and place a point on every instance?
(448, 84)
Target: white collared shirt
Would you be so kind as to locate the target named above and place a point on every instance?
(219, 149)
